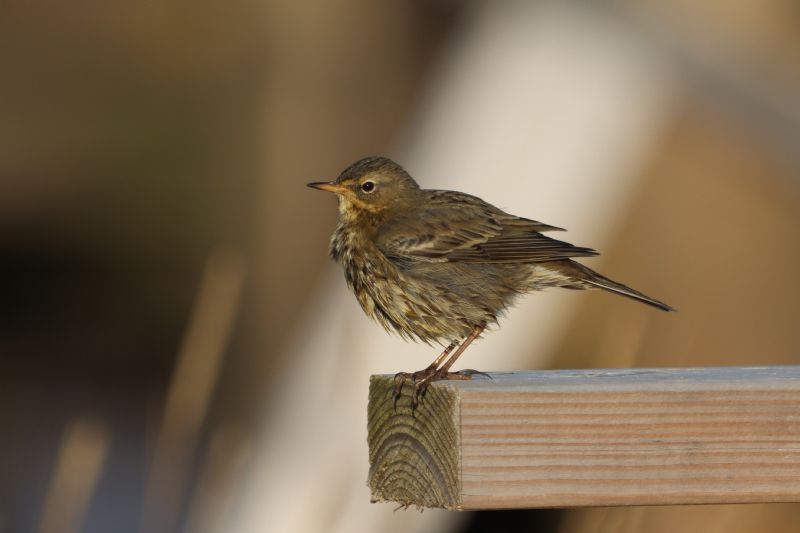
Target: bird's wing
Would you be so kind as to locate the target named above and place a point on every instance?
(454, 227)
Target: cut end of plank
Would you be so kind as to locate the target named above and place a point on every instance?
(414, 457)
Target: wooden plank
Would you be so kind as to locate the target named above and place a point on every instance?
(590, 437)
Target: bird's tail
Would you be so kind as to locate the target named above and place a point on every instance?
(588, 276)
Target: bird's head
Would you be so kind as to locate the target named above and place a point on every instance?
(371, 186)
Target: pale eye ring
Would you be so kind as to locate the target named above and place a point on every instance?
(368, 186)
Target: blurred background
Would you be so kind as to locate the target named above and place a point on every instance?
(179, 354)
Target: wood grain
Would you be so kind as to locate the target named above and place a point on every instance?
(413, 457)
(596, 437)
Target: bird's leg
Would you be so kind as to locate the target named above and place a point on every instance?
(401, 377)
(443, 371)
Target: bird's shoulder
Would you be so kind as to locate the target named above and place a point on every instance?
(446, 202)
(453, 198)
(436, 224)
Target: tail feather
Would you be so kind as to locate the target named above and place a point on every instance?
(613, 286)
(589, 276)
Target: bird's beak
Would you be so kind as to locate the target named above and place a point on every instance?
(330, 186)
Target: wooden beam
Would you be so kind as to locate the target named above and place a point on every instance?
(589, 437)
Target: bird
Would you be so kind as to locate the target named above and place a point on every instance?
(441, 266)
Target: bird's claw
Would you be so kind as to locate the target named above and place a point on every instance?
(399, 379)
(471, 372)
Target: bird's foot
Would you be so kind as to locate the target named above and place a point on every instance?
(423, 378)
(401, 377)
(421, 385)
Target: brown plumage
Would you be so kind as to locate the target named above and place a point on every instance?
(438, 266)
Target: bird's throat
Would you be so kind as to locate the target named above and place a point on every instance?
(359, 213)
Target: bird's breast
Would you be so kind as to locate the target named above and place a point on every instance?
(414, 306)
(375, 282)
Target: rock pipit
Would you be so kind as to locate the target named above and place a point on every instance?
(438, 266)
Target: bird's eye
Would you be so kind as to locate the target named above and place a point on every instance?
(368, 186)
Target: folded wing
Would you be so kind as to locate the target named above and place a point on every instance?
(458, 227)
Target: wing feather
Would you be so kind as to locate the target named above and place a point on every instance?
(457, 227)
